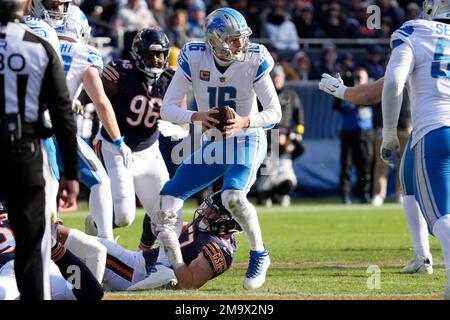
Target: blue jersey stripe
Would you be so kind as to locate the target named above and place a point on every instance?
(396, 43)
(182, 62)
(262, 68)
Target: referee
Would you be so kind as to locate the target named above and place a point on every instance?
(31, 81)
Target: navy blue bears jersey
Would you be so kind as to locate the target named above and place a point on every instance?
(217, 251)
(136, 108)
(7, 241)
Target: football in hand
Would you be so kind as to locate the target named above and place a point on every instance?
(224, 114)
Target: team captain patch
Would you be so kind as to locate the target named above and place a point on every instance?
(204, 75)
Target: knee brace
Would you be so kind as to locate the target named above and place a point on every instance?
(236, 202)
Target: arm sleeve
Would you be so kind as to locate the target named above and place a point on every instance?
(55, 94)
(399, 68)
(219, 258)
(271, 113)
(171, 109)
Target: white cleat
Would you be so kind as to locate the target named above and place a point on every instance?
(377, 201)
(419, 265)
(89, 226)
(257, 268)
(159, 277)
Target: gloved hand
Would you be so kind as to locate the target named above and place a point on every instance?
(332, 85)
(125, 152)
(390, 146)
(169, 240)
(168, 129)
(77, 107)
(163, 218)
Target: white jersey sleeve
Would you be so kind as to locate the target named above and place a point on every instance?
(77, 58)
(398, 69)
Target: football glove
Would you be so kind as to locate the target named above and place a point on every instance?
(332, 85)
(163, 218)
(390, 146)
(169, 240)
(77, 107)
(125, 152)
(168, 129)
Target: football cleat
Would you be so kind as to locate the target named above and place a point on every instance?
(90, 227)
(159, 276)
(147, 237)
(257, 268)
(419, 265)
(377, 201)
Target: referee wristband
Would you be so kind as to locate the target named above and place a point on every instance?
(119, 141)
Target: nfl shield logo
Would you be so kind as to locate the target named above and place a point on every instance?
(222, 79)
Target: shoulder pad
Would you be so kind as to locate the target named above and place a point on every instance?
(190, 51)
(411, 29)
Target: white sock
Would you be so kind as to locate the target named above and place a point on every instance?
(251, 227)
(417, 226)
(101, 209)
(88, 249)
(245, 214)
(441, 230)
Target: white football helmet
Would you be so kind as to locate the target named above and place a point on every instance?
(48, 10)
(436, 9)
(77, 26)
(223, 25)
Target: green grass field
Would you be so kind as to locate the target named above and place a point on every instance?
(318, 251)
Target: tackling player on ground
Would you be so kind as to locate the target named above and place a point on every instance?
(204, 250)
(62, 267)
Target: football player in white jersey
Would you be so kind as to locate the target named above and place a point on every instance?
(81, 65)
(422, 261)
(225, 70)
(419, 60)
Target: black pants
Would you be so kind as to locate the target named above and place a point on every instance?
(356, 149)
(22, 188)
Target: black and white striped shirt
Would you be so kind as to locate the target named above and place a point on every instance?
(31, 81)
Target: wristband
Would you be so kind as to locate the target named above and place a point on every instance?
(119, 141)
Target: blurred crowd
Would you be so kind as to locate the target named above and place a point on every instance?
(277, 19)
(277, 23)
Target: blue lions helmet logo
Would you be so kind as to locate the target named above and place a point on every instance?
(216, 24)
